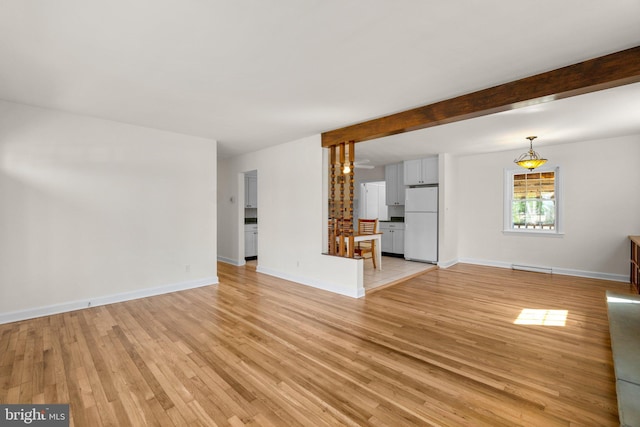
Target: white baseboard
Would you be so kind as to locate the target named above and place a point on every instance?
(485, 262)
(447, 264)
(591, 274)
(325, 286)
(232, 261)
(554, 270)
(31, 313)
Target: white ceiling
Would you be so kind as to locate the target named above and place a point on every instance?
(255, 73)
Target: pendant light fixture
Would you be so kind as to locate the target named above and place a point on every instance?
(530, 160)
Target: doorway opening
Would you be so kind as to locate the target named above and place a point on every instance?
(251, 216)
(372, 201)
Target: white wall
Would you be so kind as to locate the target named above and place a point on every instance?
(292, 209)
(93, 211)
(448, 226)
(601, 204)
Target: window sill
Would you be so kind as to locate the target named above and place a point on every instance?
(542, 233)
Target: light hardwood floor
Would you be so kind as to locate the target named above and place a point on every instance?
(440, 349)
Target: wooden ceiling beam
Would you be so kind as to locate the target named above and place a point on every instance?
(604, 72)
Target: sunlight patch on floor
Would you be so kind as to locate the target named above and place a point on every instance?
(531, 316)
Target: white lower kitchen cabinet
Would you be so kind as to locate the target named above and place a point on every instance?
(392, 237)
(250, 240)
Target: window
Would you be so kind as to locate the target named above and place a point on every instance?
(532, 201)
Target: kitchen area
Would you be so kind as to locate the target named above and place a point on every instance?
(406, 205)
(251, 217)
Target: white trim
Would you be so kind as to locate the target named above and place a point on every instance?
(525, 232)
(447, 264)
(31, 313)
(554, 270)
(231, 261)
(325, 286)
(486, 262)
(507, 205)
(592, 274)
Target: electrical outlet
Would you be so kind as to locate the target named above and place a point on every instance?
(187, 268)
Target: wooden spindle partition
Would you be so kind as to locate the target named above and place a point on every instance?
(341, 194)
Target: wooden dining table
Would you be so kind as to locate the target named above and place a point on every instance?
(376, 237)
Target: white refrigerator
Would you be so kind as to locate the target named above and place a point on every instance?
(421, 224)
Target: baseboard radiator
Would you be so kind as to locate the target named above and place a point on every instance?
(535, 269)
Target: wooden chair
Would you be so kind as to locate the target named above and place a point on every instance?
(367, 226)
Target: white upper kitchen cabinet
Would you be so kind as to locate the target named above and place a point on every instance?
(250, 191)
(393, 176)
(421, 171)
